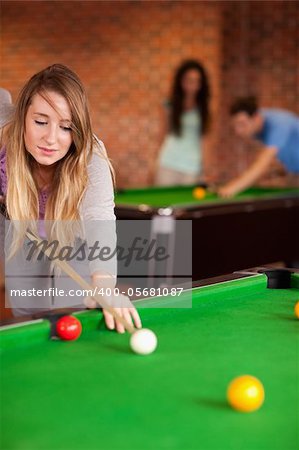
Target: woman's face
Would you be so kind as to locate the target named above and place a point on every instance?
(48, 135)
(191, 82)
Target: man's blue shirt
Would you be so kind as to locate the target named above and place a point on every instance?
(281, 130)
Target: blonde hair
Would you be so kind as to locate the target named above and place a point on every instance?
(70, 179)
(3, 135)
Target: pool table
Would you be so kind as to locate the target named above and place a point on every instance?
(95, 393)
(257, 227)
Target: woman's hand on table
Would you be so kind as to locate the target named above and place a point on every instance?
(120, 303)
(130, 314)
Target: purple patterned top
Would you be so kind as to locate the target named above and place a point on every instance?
(43, 195)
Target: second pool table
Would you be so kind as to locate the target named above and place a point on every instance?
(257, 227)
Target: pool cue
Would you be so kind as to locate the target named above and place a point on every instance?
(83, 284)
(78, 279)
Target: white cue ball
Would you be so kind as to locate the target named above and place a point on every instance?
(143, 342)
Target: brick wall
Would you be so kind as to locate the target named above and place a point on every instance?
(125, 53)
(260, 56)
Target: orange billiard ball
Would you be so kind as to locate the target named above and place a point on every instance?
(296, 309)
(245, 393)
(199, 193)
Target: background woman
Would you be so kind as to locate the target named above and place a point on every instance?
(185, 121)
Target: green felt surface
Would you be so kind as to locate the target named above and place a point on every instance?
(95, 394)
(182, 195)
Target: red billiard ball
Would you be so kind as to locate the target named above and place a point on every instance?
(68, 328)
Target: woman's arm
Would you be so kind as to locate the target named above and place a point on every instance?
(163, 124)
(97, 212)
(204, 145)
(163, 116)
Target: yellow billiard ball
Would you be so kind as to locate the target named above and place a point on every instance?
(296, 309)
(245, 393)
(199, 193)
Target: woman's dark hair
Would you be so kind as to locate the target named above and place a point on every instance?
(249, 105)
(177, 96)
